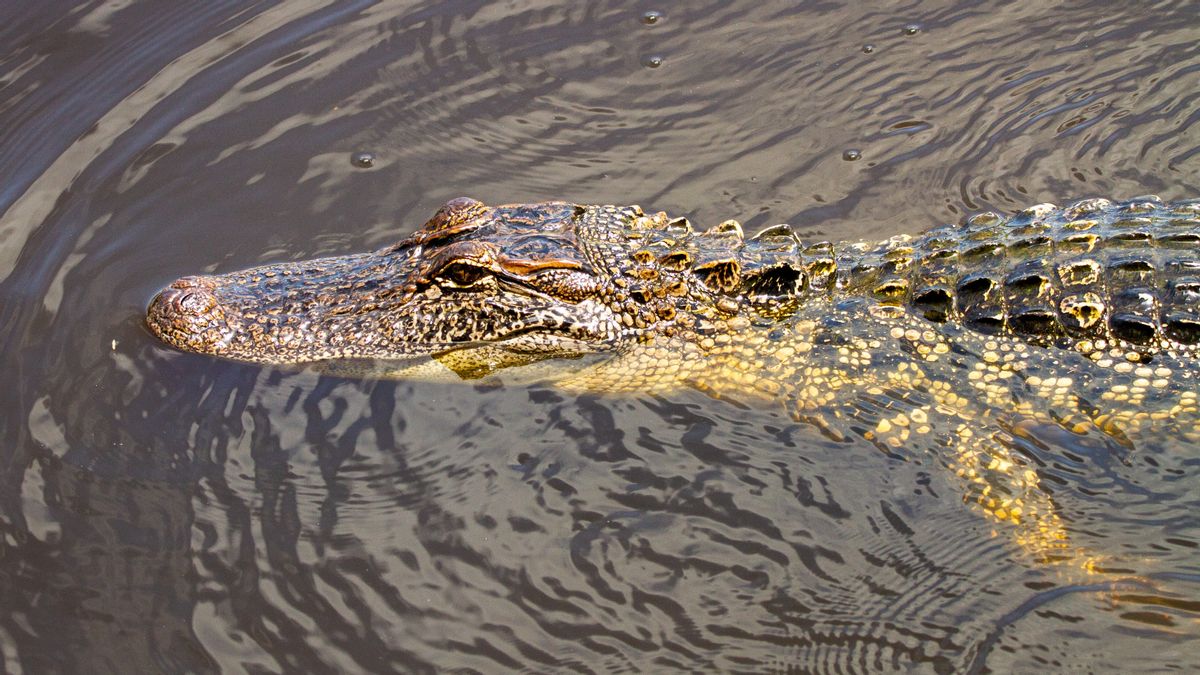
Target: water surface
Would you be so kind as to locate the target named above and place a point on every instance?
(167, 512)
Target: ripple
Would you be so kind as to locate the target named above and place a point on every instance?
(208, 515)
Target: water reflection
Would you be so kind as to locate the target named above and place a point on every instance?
(303, 522)
(167, 512)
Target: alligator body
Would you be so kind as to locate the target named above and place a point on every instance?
(1086, 318)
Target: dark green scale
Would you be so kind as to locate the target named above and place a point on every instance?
(1124, 273)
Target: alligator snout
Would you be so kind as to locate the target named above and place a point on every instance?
(186, 314)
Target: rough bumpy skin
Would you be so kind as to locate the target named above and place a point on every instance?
(1086, 318)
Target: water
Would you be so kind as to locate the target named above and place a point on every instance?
(167, 512)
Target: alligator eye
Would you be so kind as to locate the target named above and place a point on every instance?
(462, 274)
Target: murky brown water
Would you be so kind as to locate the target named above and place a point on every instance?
(167, 512)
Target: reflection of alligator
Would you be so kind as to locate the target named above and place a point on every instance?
(1086, 318)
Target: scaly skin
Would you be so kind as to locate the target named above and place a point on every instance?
(1085, 318)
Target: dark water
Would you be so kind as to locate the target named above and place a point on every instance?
(166, 512)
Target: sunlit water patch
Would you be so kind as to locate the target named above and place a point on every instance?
(162, 511)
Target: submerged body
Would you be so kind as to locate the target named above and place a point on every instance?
(1085, 318)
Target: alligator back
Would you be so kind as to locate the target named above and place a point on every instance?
(1095, 276)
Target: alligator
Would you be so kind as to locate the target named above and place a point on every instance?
(961, 341)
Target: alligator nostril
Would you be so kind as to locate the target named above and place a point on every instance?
(187, 300)
(195, 301)
(182, 300)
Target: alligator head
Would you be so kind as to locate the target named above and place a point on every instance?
(528, 281)
(515, 277)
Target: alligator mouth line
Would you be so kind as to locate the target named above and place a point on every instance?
(555, 345)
